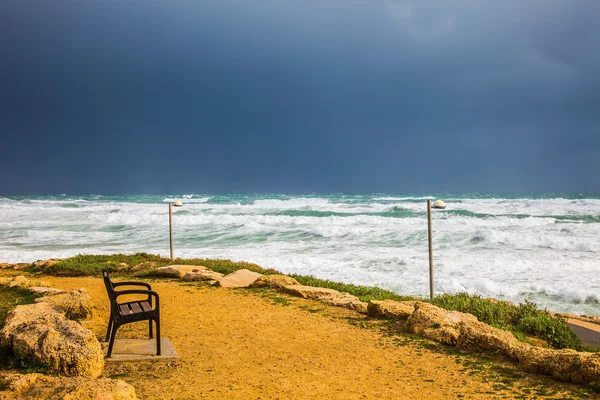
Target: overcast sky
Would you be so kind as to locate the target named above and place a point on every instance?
(300, 96)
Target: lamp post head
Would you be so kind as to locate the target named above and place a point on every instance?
(178, 203)
(439, 204)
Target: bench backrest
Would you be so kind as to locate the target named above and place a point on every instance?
(109, 288)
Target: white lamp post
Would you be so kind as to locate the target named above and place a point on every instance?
(177, 203)
(436, 204)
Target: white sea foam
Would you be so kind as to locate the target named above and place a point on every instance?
(515, 249)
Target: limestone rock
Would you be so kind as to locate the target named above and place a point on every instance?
(38, 386)
(201, 275)
(565, 365)
(239, 278)
(347, 301)
(390, 309)
(274, 281)
(46, 291)
(20, 266)
(46, 263)
(5, 265)
(76, 304)
(22, 282)
(327, 296)
(178, 271)
(437, 324)
(5, 280)
(39, 332)
(123, 266)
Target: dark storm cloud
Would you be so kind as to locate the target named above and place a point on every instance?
(297, 96)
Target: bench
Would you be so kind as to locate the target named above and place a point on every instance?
(131, 311)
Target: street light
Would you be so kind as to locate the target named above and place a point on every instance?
(437, 204)
(177, 203)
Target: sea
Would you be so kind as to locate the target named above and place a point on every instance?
(541, 248)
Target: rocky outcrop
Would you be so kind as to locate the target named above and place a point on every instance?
(327, 296)
(38, 386)
(76, 304)
(239, 278)
(22, 282)
(46, 263)
(40, 333)
(390, 309)
(274, 281)
(464, 330)
(178, 271)
(201, 276)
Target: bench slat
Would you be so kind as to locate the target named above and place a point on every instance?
(135, 307)
(124, 309)
(145, 306)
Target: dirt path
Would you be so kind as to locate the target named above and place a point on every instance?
(587, 332)
(235, 344)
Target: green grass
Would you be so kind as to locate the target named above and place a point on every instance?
(12, 297)
(524, 319)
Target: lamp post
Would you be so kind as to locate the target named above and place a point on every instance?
(177, 203)
(436, 204)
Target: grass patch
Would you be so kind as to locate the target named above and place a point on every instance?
(12, 297)
(524, 319)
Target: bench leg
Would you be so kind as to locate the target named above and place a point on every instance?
(110, 324)
(112, 340)
(157, 336)
(150, 327)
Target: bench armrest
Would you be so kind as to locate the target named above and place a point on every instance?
(115, 284)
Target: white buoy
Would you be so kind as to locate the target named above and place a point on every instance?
(438, 204)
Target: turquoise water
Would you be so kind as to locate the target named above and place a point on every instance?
(529, 246)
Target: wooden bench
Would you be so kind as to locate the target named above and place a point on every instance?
(132, 311)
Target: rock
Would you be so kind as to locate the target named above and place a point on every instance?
(38, 386)
(5, 265)
(201, 275)
(274, 281)
(46, 263)
(46, 291)
(327, 296)
(437, 324)
(143, 265)
(123, 267)
(565, 365)
(390, 309)
(5, 280)
(20, 266)
(178, 271)
(485, 337)
(22, 282)
(239, 278)
(40, 333)
(76, 304)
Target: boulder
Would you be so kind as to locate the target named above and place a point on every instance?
(390, 309)
(40, 333)
(76, 304)
(46, 291)
(274, 281)
(46, 263)
(327, 296)
(22, 282)
(239, 278)
(178, 271)
(437, 324)
(201, 275)
(38, 386)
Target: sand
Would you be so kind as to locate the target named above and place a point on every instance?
(239, 344)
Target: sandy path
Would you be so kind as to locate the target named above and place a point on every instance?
(234, 344)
